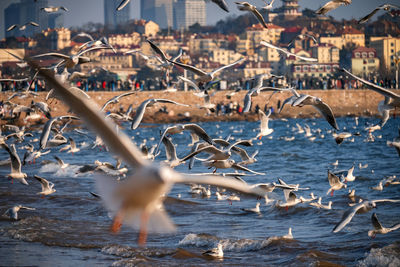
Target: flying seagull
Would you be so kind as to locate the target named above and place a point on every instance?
(332, 5)
(52, 9)
(122, 4)
(286, 52)
(245, 6)
(379, 229)
(385, 7)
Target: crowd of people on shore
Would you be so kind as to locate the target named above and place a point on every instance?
(159, 84)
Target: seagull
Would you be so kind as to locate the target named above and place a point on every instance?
(339, 138)
(363, 206)
(52, 9)
(47, 128)
(245, 6)
(350, 177)
(379, 229)
(391, 101)
(228, 163)
(215, 252)
(170, 152)
(268, 6)
(102, 42)
(255, 210)
(385, 7)
(122, 4)
(165, 62)
(12, 213)
(264, 120)
(289, 235)
(61, 163)
(115, 99)
(286, 52)
(137, 199)
(302, 37)
(43, 107)
(301, 99)
(192, 127)
(312, 198)
(379, 187)
(47, 187)
(76, 90)
(15, 164)
(22, 27)
(222, 4)
(319, 205)
(290, 198)
(395, 143)
(148, 103)
(332, 5)
(205, 77)
(335, 183)
(73, 60)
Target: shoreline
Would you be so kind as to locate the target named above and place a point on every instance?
(360, 102)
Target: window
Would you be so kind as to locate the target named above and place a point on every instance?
(371, 54)
(357, 54)
(328, 68)
(321, 68)
(364, 54)
(371, 60)
(305, 68)
(297, 68)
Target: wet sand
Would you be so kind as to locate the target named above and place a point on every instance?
(342, 102)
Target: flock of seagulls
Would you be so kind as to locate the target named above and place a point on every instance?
(136, 199)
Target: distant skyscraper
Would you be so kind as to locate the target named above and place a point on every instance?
(23, 12)
(11, 17)
(159, 11)
(56, 20)
(112, 17)
(189, 12)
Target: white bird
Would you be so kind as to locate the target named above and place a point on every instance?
(137, 199)
(385, 7)
(379, 229)
(350, 177)
(319, 205)
(363, 206)
(290, 198)
(115, 99)
(268, 6)
(122, 4)
(264, 121)
(15, 164)
(301, 99)
(148, 103)
(340, 137)
(255, 210)
(47, 187)
(205, 77)
(245, 6)
(287, 53)
(312, 198)
(332, 5)
(302, 37)
(52, 9)
(289, 235)
(215, 252)
(22, 27)
(335, 183)
(379, 187)
(61, 163)
(12, 213)
(392, 100)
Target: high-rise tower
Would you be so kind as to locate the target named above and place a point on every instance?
(189, 12)
(112, 17)
(159, 11)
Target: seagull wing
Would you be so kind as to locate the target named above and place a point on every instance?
(247, 102)
(375, 222)
(367, 17)
(170, 149)
(326, 111)
(374, 87)
(178, 55)
(259, 17)
(195, 70)
(15, 160)
(200, 132)
(12, 27)
(122, 4)
(328, 7)
(347, 217)
(158, 51)
(191, 83)
(226, 66)
(52, 54)
(242, 168)
(333, 179)
(139, 113)
(222, 4)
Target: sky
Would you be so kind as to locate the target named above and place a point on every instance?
(83, 11)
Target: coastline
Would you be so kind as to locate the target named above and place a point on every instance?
(360, 102)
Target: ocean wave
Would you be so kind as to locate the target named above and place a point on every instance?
(232, 245)
(388, 256)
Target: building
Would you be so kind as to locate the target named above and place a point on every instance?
(60, 38)
(23, 12)
(364, 61)
(335, 40)
(352, 36)
(189, 12)
(325, 53)
(203, 44)
(307, 70)
(159, 11)
(290, 9)
(224, 56)
(112, 17)
(56, 20)
(387, 48)
(258, 33)
(6, 57)
(124, 40)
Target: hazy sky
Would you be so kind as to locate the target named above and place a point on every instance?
(83, 11)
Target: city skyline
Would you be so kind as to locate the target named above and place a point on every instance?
(78, 10)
